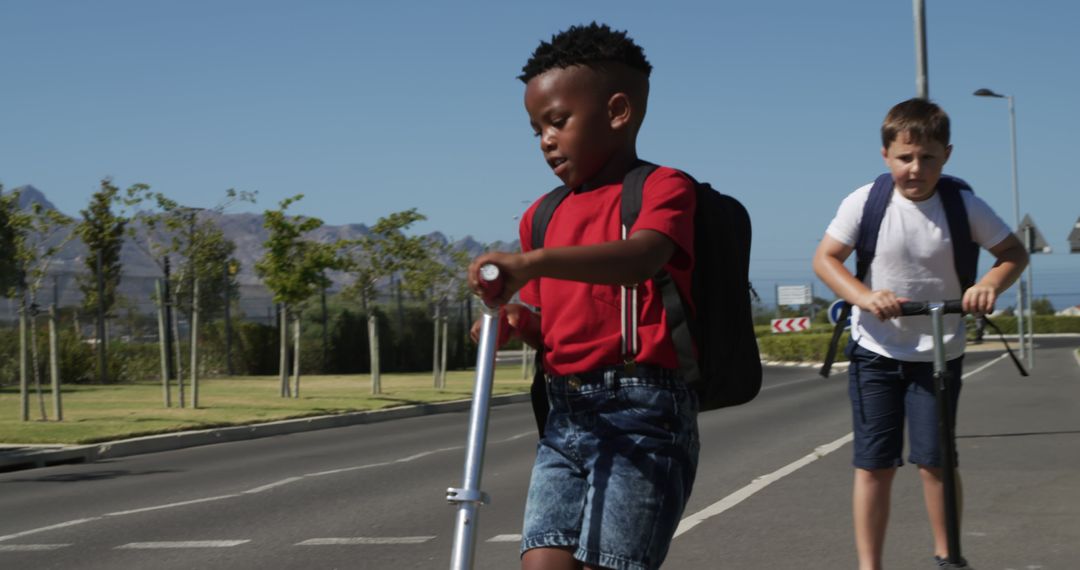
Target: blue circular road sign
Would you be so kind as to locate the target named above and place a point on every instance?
(834, 313)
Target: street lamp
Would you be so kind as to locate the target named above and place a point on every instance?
(984, 92)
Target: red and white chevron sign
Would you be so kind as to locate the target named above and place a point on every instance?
(795, 324)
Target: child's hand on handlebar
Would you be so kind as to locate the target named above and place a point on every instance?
(979, 299)
(884, 304)
(511, 272)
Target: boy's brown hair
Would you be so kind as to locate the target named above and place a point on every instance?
(920, 118)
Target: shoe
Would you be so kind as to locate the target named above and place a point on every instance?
(944, 563)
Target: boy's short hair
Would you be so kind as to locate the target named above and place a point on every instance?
(591, 45)
(920, 118)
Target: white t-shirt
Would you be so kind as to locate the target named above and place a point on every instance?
(914, 260)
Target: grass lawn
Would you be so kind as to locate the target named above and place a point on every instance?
(103, 413)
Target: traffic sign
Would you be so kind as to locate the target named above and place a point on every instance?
(794, 324)
(834, 313)
(1038, 242)
(1074, 238)
(794, 295)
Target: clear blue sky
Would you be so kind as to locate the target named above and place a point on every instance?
(369, 108)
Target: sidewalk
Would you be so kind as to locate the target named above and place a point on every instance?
(22, 456)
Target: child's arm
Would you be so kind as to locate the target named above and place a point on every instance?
(626, 261)
(829, 267)
(1012, 258)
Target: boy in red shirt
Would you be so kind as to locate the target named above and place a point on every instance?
(617, 460)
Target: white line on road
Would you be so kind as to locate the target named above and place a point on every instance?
(47, 528)
(764, 481)
(505, 538)
(272, 485)
(365, 540)
(171, 505)
(756, 485)
(30, 547)
(182, 544)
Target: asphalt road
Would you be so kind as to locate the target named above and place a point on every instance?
(773, 488)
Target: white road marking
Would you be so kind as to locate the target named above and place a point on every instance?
(764, 481)
(272, 485)
(171, 505)
(505, 538)
(47, 528)
(30, 547)
(756, 485)
(365, 540)
(182, 544)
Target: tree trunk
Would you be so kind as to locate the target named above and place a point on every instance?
(166, 390)
(296, 355)
(24, 388)
(54, 366)
(34, 363)
(442, 368)
(283, 362)
(195, 345)
(177, 357)
(435, 349)
(373, 346)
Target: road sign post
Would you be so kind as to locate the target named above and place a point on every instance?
(1074, 238)
(1034, 241)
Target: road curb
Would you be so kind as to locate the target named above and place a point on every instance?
(14, 457)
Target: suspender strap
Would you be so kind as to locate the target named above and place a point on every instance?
(629, 208)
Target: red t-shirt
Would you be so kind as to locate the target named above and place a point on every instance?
(580, 322)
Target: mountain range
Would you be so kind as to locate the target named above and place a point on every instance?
(244, 229)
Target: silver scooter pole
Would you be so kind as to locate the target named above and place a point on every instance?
(946, 422)
(469, 497)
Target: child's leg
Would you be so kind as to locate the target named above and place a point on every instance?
(550, 558)
(934, 494)
(871, 501)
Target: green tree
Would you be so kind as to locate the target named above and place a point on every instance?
(383, 254)
(37, 234)
(294, 269)
(1042, 306)
(102, 231)
(10, 276)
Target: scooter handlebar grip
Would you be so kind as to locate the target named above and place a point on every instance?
(909, 308)
(953, 306)
(491, 280)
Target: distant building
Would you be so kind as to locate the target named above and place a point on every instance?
(1069, 312)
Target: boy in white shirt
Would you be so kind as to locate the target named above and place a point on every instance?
(891, 370)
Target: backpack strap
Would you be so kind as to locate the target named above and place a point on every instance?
(543, 213)
(676, 311)
(965, 250)
(865, 245)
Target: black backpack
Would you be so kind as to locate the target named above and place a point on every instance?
(727, 369)
(965, 250)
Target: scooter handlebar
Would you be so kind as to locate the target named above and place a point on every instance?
(491, 280)
(910, 308)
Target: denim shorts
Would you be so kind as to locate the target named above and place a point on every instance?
(615, 466)
(883, 392)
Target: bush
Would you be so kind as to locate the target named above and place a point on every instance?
(800, 347)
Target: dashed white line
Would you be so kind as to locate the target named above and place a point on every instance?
(360, 540)
(182, 544)
(30, 547)
(505, 538)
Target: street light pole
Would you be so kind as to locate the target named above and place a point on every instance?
(984, 92)
(922, 83)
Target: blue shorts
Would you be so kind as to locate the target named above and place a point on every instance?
(615, 467)
(883, 392)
